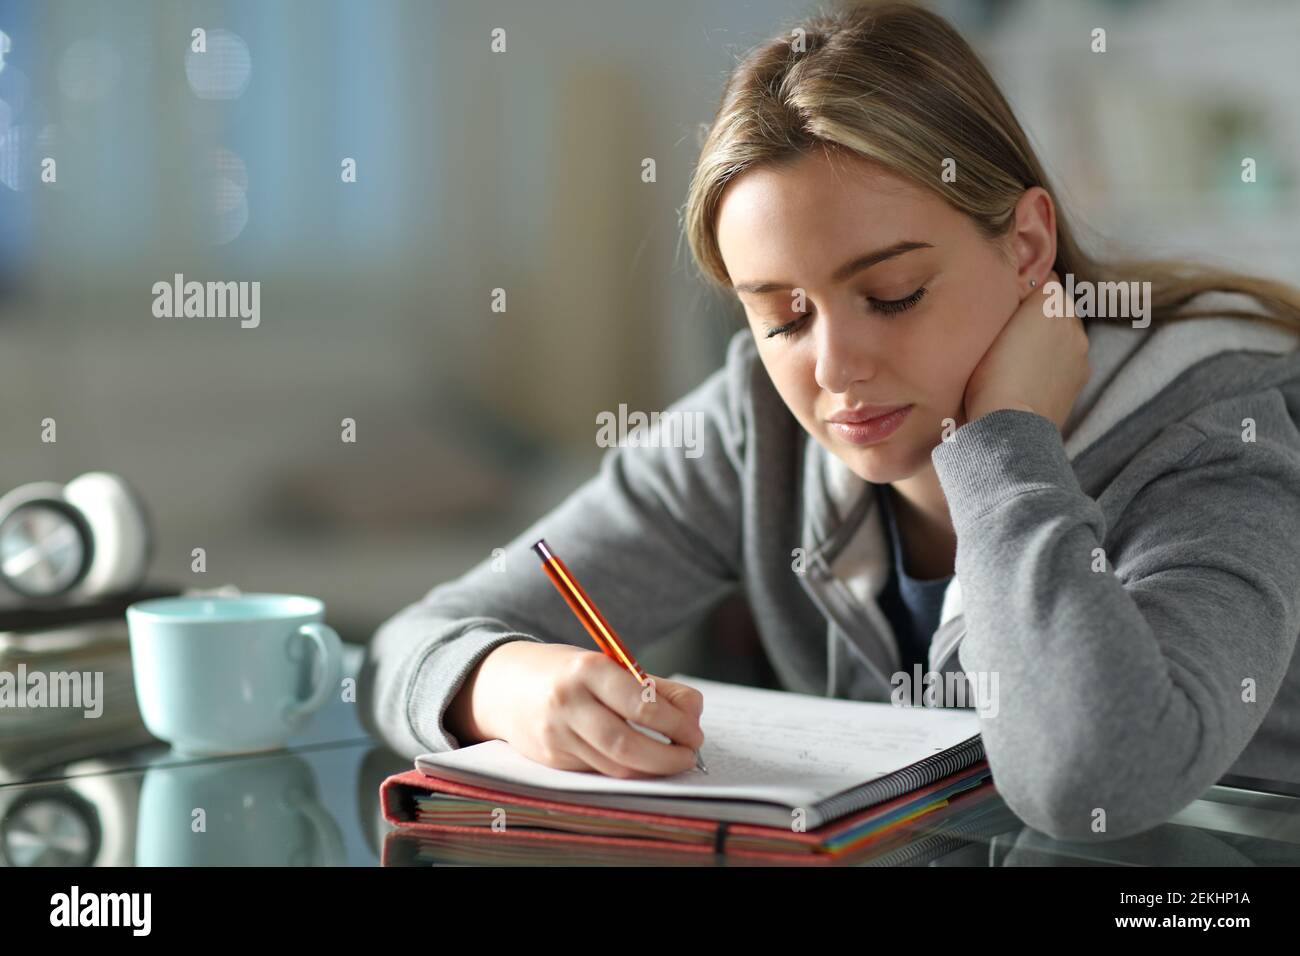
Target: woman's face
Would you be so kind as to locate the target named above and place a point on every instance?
(806, 227)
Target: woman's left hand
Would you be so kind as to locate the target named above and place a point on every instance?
(1037, 363)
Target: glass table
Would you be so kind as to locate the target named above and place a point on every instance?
(315, 802)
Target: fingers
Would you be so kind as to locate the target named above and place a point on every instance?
(683, 697)
(594, 759)
(671, 708)
(608, 696)
(619, 750)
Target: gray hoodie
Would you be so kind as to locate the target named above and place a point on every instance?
(1126, 600)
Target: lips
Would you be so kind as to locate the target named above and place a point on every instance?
(872, 428)
(863, 413)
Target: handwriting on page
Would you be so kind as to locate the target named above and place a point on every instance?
(743, 745)
(733, 766)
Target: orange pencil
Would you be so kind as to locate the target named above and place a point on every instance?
(584, 608)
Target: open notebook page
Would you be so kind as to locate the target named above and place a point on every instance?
(760, 745)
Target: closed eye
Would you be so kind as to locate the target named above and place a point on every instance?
(898, 305)
(885, 306)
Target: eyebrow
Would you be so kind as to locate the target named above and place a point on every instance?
(843, 272)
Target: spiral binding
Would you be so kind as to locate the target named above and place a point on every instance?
(920, 774)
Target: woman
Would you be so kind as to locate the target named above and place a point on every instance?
(1118, 495)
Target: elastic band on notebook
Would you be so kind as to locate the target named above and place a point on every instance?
(720, 837)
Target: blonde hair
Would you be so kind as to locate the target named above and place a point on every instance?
(898, 85)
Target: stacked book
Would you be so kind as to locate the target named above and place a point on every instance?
(791, 778)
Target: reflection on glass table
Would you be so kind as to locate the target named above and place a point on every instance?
(1226, 827)
(104, 792)
(318, 805)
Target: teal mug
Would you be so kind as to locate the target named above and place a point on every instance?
(231, 674)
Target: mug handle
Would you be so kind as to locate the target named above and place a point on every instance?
(330, 649)
(328, 838)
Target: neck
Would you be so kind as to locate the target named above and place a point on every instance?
(924, 525)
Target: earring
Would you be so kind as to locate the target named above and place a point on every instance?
(1033, 283)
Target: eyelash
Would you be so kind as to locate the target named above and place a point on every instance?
(887, 306)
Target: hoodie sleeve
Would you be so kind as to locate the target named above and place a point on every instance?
(1132, 677)
(654, 537)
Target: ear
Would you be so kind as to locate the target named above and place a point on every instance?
(1033, 238)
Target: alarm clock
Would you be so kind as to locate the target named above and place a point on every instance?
(74, 542)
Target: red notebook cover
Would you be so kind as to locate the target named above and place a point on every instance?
(397, 793)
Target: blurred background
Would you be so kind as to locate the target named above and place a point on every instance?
(478, 171)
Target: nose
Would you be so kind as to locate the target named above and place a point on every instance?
(844, 352)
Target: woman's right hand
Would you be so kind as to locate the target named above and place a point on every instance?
(568, 708)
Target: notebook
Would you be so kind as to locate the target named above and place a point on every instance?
(840, 770)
